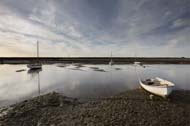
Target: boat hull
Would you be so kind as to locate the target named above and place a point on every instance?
(34, 66)
(163, 91)
(111, 63)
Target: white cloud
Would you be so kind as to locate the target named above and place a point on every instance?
(73, 32)
(181, 23)
(45, 14)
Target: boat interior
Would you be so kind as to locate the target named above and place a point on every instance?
(157, 82)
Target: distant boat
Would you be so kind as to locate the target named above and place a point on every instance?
(157, 86)
(136, 63)
(139, 64)
(36, 65)
(62, 65)
(111, 61)
(78, 64)
(34, 71)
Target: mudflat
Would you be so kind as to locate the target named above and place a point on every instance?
(130, 108)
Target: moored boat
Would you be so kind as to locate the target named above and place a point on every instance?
(36, 65)
(157, 86)
(111, 61)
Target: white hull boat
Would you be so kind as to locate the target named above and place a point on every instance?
(36, 65)
(111, 62)
(157, 86)
(138, 63)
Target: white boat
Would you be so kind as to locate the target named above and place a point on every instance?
(138, 63)
(157, 86)
(111, 61)
(36, 65)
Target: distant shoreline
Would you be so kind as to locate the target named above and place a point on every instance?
(95, 60)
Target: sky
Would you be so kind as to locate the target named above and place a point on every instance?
(95, 28)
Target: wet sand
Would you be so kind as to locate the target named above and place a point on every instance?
(130, 108)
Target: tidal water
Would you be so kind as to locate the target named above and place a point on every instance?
(82, 81)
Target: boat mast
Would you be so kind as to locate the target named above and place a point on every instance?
(37, 49)
(111, 56)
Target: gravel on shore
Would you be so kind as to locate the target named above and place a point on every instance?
(130, 108)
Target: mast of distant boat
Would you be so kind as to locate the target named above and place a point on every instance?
(38, 52)
(111, 57)
(37, 49)
(111, 61)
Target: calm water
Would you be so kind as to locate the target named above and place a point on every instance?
(88, 81)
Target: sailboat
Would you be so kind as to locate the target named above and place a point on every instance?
(36, 65)
(111, 61)
(34, 72)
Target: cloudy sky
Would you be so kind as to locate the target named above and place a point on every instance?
(95, 27)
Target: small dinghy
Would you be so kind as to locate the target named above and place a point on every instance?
(157, 86)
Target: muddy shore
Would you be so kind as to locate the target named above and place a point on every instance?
(130, 108)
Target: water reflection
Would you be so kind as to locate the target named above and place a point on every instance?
(34, 72)
(86, 81)
(118, 69)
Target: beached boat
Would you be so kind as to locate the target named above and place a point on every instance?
(157, 86)
(36, 65)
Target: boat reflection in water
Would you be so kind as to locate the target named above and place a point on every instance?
(33, 73)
